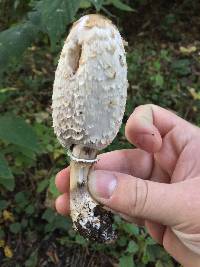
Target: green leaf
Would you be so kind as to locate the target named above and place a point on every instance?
(81, 240)
(120, 5)
(21, 199)
(3, 204)
(30, 209)
(85, 4)
(130, 228)
(97, 3)
(126, 261)
(159, 264)
(157, 65)
(26, 153)
(6, 93)
(56, 15)
(117, 219)
(33, 259)
(55, 221)
(181, 67)
(6, 177)
(132, 247)
(15, 228)
(49, 16)
(159, 80)
(49, 215)
(13, 43)
(5, 171)
(61, 223)
(150, 241)
(16, 131)
(42, 185)
(52, 187)
(153, 252)
(122, 241)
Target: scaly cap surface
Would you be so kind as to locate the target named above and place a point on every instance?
(90, 86)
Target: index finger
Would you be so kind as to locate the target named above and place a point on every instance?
(62, 180)
(148, 124)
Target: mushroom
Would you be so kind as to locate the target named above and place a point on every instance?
(88, 102)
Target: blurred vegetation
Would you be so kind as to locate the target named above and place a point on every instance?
(164, 66)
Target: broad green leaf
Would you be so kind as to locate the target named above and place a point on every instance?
(52, 187)
(181, 67)
(169, 263)
(5, 171)
(120, 5)
(56, 15)
(126, 261)
(49, 215)
(150, 241)
(122, 241)
(153, 252)
(42, 185)
(97, 3)
(55, 221)
(30, 209)
(130, 228)
(159, 80)
(16, 131)
(21, 199)
(6, 93)
(132, 247)
(61, 223)
(3, 204)
(85, 4)
(159, 264)
(157, 65)
(118, 219)
(14, 41)
(32, 260)
(28, 153)
(6, 176)
(9, 184)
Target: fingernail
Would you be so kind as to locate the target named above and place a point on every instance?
(146, 118)
(146, 121)
(102, 184)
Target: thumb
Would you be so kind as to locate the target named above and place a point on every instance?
(158, 202)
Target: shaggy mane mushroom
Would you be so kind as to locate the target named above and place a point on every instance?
(89, 96)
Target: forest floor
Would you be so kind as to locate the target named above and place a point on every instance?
(164, 68)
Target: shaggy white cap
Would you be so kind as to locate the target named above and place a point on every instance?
(90, 84)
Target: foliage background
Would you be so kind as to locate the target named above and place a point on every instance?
(164, 66)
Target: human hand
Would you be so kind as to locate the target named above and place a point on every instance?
(158, 184)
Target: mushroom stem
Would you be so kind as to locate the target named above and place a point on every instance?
(79, 170)
(89, 218)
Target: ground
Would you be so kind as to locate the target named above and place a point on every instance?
(164, 65)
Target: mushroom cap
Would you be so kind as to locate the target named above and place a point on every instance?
(90, 87)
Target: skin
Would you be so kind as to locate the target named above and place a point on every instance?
(156, 184)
